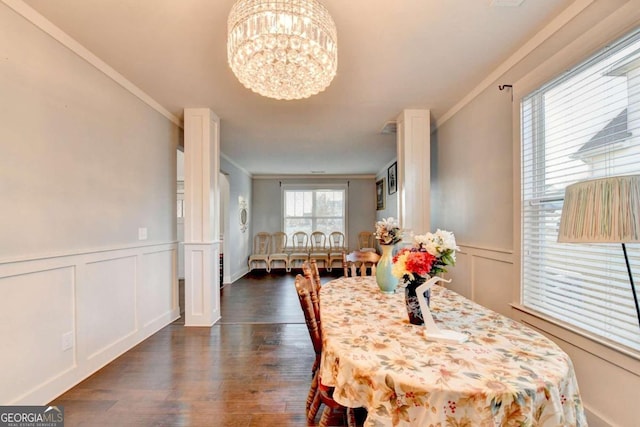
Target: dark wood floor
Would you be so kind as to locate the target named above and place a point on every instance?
(250, 369)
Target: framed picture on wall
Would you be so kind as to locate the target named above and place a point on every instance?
(380, 194)
(392, 173)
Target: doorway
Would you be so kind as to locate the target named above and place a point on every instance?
(225, 266)
(180, 213)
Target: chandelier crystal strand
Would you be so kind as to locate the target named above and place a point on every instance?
(282, 49)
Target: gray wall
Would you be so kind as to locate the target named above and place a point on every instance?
(239, 243)
(84, 164)
(361, 204)
(472, 171)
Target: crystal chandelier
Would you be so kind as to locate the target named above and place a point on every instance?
(282, 49)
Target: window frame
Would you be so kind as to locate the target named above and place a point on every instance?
(520, 187)
(315, 187)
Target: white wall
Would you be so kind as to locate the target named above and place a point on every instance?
(361, 204)
(239, 242)
(84, 165)
(475, 194)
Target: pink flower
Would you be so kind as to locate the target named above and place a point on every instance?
(412, 262)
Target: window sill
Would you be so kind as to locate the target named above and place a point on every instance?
(616, 354)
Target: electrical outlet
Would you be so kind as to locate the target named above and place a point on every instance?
(142, 233)
(67, 341)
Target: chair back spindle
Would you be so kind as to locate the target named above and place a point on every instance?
(359, 260)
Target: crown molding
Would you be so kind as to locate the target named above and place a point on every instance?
(233, 162)
(317, 177)
(542, 36)
(63, 38)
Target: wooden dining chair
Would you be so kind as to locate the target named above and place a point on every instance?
(278, 250)
(336, 248)
(360, 260)
(318, 393)
(299, 250)
(366, 241)
(318, 249)
(311, 272)
(315, 306)
(260, 250)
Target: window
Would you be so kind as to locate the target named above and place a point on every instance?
(314, 209)
(584, 124)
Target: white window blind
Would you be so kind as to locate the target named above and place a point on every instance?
(314, 209)
(584, 124)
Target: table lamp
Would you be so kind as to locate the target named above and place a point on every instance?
(605, 210)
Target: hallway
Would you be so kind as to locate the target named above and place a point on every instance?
(252, 369)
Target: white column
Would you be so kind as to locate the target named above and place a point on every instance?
(201, 224)
(414, 170)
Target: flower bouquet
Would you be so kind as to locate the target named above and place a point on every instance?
(388, 233)
(430, 255)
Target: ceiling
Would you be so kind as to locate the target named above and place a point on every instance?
(392, 55)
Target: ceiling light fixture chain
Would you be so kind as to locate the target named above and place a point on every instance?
(282, 49)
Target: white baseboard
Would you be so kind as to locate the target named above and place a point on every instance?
(239, 274)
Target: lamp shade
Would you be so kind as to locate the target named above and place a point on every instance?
(605, 210)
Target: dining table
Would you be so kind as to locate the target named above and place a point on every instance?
(505, 374)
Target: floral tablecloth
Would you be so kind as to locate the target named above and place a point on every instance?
(505, 375)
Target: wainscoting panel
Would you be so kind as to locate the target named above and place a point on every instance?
(195, 276)
(202, 283)
(106, 304)
(493, 283)
(66, 316)
(484, 275)
(41, 302)
(156, 298)
(461, 275)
